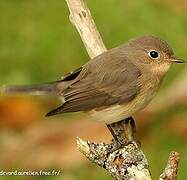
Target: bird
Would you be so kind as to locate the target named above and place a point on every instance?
(113, 86)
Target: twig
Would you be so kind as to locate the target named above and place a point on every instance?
(128, 162)
(81, 18)
(170, 172)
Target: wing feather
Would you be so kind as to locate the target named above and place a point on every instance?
(101, 84)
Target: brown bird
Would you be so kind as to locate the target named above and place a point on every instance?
(114, 85)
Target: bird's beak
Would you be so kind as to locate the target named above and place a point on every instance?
(177, 61)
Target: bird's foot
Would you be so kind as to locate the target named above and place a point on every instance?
(116, 145)
(123, 133)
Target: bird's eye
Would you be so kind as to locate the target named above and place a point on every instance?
(153, 54)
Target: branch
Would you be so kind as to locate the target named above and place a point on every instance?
(81, 18)
(125, 163)
(170, 172)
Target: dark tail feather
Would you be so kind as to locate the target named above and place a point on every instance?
(56, 111)
(48, 88)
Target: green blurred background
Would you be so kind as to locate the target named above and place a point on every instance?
(39, 44)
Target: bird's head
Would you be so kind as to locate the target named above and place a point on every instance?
(152, 54)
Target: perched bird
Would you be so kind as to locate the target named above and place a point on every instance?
(114, 85)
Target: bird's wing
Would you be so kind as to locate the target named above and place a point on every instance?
(72, 75)
(100, 85)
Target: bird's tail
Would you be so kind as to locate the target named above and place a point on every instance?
(40, 89)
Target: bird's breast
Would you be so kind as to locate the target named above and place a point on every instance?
(119, 112)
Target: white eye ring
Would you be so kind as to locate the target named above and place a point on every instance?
(153, 54)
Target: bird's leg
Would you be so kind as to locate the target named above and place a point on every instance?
(123, 132)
